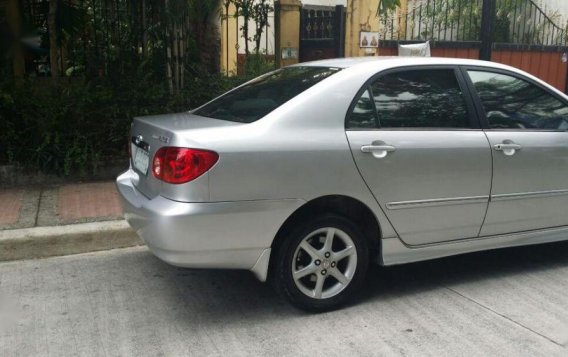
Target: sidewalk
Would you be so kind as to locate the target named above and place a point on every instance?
(57, 220)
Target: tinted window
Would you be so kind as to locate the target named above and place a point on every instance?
(419, 99)
(258, 98)
(364, 114)
(511, 102)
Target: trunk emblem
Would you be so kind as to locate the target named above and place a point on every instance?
(138, 139)
(161, 138)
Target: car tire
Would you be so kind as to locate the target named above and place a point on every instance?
(307, 263)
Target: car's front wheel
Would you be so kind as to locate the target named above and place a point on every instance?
(321, 263)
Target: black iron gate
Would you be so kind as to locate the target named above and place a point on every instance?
(322, 32)
(485, 23)
(514, 32)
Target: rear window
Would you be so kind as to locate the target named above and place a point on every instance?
(264, 94)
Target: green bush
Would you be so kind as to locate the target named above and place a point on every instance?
(74, 126)
(257, 64)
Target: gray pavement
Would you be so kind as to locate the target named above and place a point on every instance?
(126, 302)
(70, 218)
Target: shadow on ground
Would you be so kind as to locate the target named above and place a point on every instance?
(239, 293)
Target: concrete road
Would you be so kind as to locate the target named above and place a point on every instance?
(126, 302)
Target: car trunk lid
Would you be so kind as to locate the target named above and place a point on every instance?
(150, 133)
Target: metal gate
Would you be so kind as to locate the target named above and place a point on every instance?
(322, 32)
(518, 33)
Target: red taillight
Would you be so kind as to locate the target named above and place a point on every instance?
(181, 165)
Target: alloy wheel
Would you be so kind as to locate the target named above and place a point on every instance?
(324, 263)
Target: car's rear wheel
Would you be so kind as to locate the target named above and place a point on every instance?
(321, 264)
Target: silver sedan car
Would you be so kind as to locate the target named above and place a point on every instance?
(309, 173)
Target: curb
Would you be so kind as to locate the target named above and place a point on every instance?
(41, 242)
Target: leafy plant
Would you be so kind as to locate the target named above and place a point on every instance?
(117, 52)
(74, 126)
(258, 64)
(260, 12)
(387, 5)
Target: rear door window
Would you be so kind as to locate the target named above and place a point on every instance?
(266, 93)
(364, 114)
(424, 98)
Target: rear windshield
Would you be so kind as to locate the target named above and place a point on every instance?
(264, 94)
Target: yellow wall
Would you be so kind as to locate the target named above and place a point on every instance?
(228, 44)
(287, 23)
(360, 16)
(402, 11)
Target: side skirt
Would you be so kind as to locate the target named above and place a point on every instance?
(395, 252)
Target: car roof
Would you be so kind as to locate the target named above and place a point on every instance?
(369, 65)
(390, 61)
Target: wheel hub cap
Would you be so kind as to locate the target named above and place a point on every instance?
(324, 263)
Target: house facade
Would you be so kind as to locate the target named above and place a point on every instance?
(295, 24)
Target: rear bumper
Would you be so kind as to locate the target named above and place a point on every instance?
(204, 234)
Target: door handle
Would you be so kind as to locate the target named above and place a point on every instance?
(508, 147)
(378, 150)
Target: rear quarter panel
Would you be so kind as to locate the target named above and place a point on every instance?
(299, 151)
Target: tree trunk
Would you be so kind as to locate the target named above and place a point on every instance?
(168, 52)
(246, 35)
(169, 63)
(181, 56)
(53, 48)
(144, 32)
(175, 55)
(14, 20)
